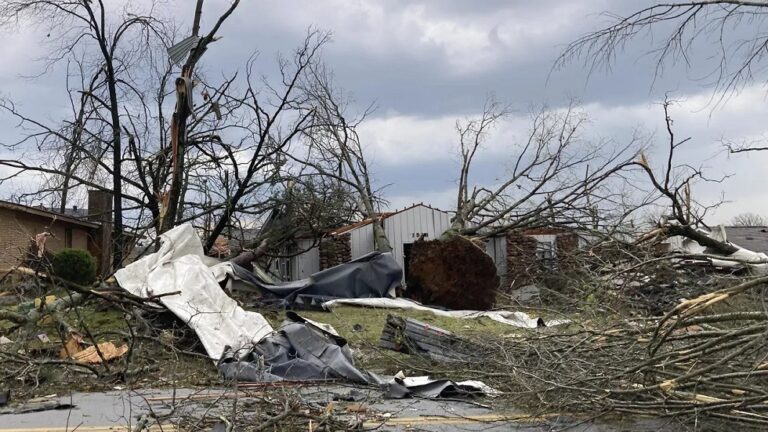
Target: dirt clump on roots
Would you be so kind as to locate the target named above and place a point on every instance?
(454, 273)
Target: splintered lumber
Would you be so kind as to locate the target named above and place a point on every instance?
(454, 273)
(410, 336)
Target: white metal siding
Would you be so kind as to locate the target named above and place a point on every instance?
(361, 241)
(404, 227)
(496, 247)
(407, 227)
(304, 264)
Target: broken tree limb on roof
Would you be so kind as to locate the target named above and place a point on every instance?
(455, 273)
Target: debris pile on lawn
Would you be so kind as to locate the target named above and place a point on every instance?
(706, 357)
(242, 342)
(410, 336)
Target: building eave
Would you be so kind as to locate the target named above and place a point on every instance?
(47, 214)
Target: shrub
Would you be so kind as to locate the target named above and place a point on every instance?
(75, 265)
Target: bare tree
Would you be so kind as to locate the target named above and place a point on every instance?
(555, 175)
(674, 182)
(173, 197)
(730, 30)
(334, 149)
(218, 161)
(107, 43)
(749, 220)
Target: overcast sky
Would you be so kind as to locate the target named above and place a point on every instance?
(426, 63)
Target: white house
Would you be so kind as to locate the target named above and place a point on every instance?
(402, 227)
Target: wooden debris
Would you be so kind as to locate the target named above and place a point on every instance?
(108, 351)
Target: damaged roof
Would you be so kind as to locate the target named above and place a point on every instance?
(383, 216)
(754, 238)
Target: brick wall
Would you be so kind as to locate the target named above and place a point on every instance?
(521, 259)
(18, 228)
(567, 244)
(522, 265)
(335, 250)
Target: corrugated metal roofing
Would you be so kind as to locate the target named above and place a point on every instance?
(179, 52)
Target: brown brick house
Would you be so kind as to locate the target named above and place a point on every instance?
(77, 228)
(19, 224)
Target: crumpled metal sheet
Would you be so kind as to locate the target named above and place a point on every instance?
(373, 275)
(303, 351)
(300, 350)
(181, 49)
(179, 266)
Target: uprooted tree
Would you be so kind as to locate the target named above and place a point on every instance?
(556, 179)
(674, 183)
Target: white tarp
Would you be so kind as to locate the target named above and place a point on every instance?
(179, 265)
(516, 319)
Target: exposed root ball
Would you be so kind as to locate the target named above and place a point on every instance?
(453, 273)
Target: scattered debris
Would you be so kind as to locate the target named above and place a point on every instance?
(178, 276)
(410, 336)
(515, 319)
(106, 351)
(49, 299)
(72, 346)
(37, 404)
(40, 241)
(527, 294)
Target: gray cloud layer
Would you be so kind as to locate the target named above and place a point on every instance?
(426, 63)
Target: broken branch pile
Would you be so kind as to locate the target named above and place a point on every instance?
(704, 358)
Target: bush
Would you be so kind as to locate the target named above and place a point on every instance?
(75, 265)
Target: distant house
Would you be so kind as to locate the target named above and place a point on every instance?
(19, 224)
(524, 254)
(519, 255)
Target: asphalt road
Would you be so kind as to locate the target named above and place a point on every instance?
(120, 410)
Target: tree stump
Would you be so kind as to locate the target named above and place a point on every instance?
(454, 273)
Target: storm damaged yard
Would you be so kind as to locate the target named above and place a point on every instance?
(201, 230)
(364, 362)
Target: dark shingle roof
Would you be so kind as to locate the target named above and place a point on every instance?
(754, 238)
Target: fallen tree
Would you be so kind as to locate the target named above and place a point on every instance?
(556, 178)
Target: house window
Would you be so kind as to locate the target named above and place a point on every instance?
(284, 268)
(545, 253)
(68, 237)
